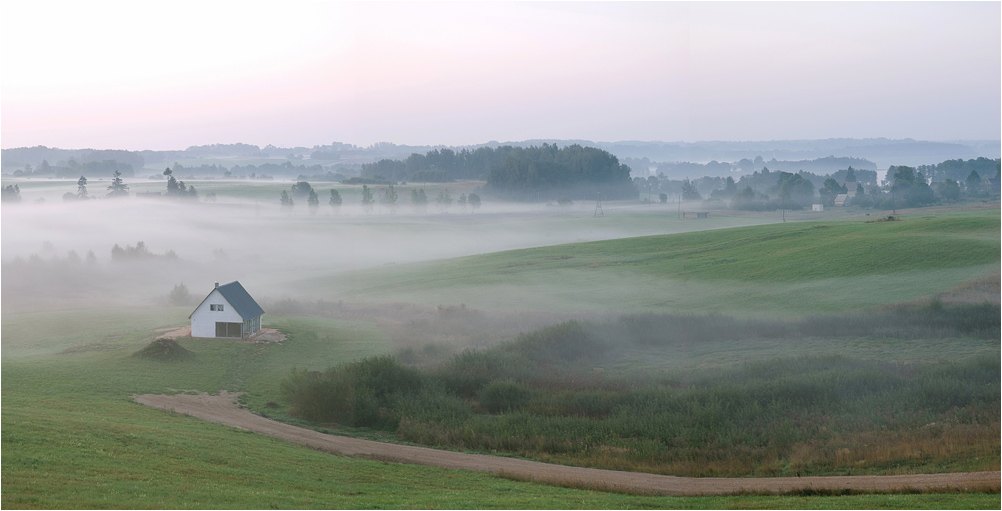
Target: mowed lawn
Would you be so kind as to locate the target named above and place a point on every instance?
(783, 269)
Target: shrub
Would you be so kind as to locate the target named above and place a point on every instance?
(179, 295)
(468, 371)
(358, 394)
(566, 342)
(504, 396)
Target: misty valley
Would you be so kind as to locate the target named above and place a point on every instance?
(541, 303)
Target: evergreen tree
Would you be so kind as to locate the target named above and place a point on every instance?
(973, 184)
(118, 188)
(850, 175)
(82, 188)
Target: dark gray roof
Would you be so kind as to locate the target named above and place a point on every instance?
(240, 300)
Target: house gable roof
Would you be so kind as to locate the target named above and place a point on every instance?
(238, 298)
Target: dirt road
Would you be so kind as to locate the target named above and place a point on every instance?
(223, 409)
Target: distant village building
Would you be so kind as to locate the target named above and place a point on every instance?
(228, 311)
(817, 207)
(841, 199)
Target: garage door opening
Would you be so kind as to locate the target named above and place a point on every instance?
(229, 329)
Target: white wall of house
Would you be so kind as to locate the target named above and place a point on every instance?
(203, 320)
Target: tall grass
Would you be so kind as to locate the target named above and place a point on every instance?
(540, 396)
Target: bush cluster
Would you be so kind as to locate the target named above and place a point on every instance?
(539, 395)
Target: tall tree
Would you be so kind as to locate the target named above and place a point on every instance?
(973, 183)
(286, 200)
(689, 191)
(419, 201)
(82, 188)
(830, 189)
(367, 199)
(850, 175)
(474, 201)
(949, 190)
(390, 198)
(301, 190)
(313, 202)
(443, 200)
(118, 188)
(335, 201)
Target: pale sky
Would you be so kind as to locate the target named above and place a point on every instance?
(167, 75)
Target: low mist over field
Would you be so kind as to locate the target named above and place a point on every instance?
(63, 250)
(747, 247)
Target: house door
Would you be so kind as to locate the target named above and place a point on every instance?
(229, 329)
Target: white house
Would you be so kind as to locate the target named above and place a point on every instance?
(228, 311)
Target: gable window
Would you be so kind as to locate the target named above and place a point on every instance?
(215, 307)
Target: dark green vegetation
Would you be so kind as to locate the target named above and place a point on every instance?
(523, 173)
(548, 172)
(540, 396)
(767, 187)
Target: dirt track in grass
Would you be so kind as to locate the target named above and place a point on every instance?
(223, 409)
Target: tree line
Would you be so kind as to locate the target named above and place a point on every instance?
(517, 173)
(768, 190)
(387, 197)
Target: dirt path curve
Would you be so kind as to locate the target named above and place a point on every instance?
(223, 409)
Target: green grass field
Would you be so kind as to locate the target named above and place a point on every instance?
(72, 437)
(781, 269)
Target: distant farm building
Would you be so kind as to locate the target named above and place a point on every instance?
(694, 214)
(841, 199)
(228, 312)
(851, 187)
(817, 207)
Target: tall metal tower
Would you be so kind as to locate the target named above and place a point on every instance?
(598, 205)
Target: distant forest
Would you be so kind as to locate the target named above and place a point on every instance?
(545, 170)
(681, 170)
(517, 173)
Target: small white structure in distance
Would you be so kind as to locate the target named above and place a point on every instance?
(817, 207)
(228, 312)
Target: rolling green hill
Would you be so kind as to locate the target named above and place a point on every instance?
(785, 269)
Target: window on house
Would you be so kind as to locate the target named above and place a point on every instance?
(215, 306)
